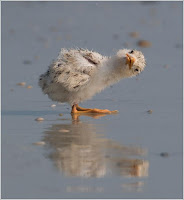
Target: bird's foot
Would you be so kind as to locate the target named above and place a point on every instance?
(104, 111)
(80, 110)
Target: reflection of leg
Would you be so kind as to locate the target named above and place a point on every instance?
(77, 109)
(75, 118)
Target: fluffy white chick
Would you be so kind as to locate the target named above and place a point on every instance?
(78, 74)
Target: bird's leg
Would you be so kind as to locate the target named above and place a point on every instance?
(74, 109)
(78, 109)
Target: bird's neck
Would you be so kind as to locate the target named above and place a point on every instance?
(113, 69)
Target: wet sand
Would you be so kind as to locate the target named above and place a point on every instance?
(136, 153)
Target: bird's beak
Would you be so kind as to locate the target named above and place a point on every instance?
(130, 60)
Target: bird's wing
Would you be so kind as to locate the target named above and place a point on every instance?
(74, 69)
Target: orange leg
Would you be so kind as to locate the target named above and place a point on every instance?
(78, 109)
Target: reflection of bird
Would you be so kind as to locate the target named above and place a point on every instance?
(77, 152)
(82, 152)
(78, 74)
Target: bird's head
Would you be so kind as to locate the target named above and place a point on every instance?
(133, 60)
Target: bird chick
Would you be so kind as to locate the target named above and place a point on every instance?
(78, 74)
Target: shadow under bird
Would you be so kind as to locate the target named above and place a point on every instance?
(78, 74)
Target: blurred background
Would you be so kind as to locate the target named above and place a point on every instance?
(134, 154)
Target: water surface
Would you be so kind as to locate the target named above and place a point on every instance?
(132, 154)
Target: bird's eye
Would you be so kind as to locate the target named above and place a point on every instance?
(132, 51)
(136, 70)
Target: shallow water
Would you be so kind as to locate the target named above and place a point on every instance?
(110, 156)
